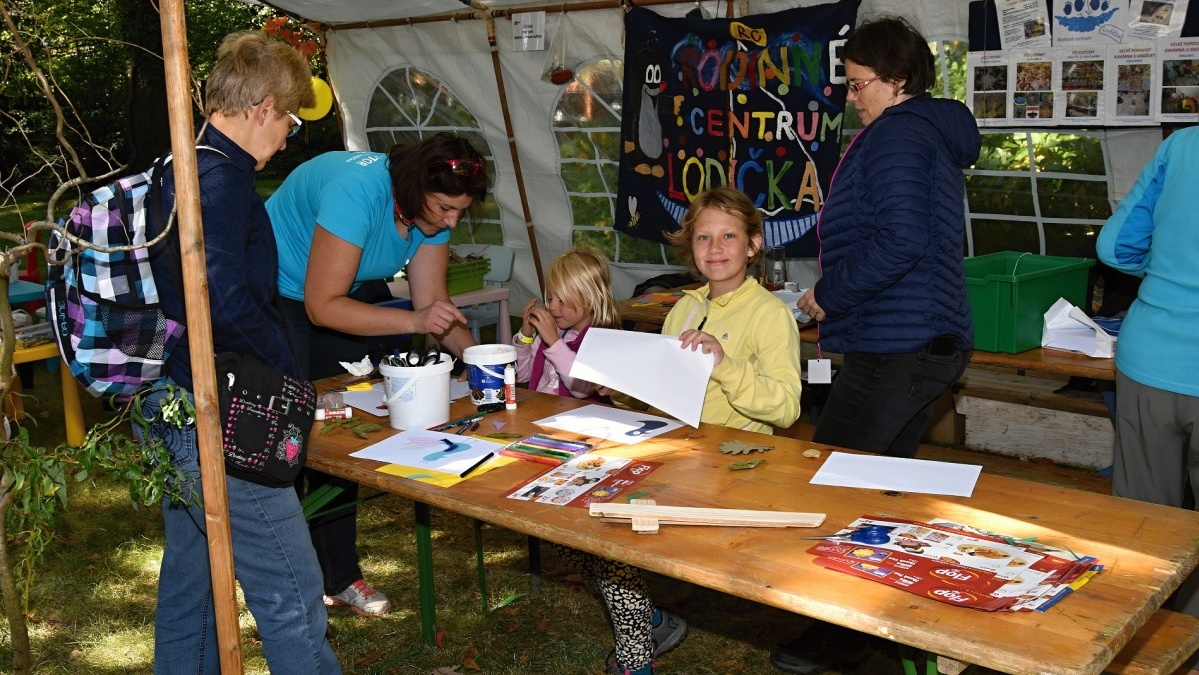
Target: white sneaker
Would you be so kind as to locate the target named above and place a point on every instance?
(362, 599)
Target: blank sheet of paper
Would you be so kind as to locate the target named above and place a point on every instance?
(897, 473)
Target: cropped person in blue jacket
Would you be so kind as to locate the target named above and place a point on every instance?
(892, 294)
(1153, 235)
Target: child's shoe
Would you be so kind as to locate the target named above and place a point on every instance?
(615, 668)
(668, 631)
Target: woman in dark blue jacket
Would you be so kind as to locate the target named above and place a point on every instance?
(892, 294)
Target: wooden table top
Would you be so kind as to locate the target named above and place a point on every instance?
(1146, 549)
(650, 317)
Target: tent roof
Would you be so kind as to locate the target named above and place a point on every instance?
(358, 11)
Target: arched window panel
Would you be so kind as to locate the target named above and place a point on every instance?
(409, 104)
(586, 124)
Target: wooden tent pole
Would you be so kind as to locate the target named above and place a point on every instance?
(199, 331)
(520, 179)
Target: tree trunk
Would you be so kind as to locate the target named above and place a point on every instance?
(8, 588)
(148, 127)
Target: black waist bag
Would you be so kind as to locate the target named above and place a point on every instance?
(266, 416)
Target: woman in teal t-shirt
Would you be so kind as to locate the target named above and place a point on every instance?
(343, 222)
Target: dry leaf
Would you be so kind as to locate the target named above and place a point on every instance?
(739, 448)
(468, 659)
(812, 452)
(447, 670)
(367, 659)
(747, 464)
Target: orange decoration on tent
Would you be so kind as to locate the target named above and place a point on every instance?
(296, 34)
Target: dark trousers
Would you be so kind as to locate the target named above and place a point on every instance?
(334, 535)
(881, 403)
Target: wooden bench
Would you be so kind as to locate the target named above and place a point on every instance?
(1161, 647)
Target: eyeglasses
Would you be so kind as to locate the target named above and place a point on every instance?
(857, 87)
(292, 131)
(466, 167)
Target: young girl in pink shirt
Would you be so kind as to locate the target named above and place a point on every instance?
(578, 296)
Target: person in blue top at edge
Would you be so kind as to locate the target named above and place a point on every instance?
(345, 222)
(892, 294)
(250, 97)
(1153, 235)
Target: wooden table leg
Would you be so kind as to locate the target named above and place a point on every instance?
(71, 409)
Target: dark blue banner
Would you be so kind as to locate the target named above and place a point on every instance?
(755, 102)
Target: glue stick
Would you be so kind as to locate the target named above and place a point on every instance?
(510, 387)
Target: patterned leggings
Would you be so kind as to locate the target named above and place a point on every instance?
(629, 606)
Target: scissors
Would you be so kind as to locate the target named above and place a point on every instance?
(867, 534)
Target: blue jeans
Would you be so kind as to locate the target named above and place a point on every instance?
(273, 560)
(881, 403)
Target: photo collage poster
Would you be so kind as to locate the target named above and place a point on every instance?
(988, 93)
(1080, 75)
(1130, 84)
(1096, 85)
(1178, 63)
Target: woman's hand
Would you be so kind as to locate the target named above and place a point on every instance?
(807, 304)
(543, 322)
(438, 318)
(691, 339)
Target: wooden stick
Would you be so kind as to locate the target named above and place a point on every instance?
(684, 515)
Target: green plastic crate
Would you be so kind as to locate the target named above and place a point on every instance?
(467, 275)
(1011, 291)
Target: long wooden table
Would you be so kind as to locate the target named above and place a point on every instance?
(1147, 549)
(650, 317)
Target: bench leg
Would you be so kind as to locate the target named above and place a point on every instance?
(424, 573)
(534, 565)
(480, 567)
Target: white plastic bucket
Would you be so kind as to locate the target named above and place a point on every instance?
(485, 371)
(417, 397)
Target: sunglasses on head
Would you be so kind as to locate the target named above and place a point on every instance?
(466, 166)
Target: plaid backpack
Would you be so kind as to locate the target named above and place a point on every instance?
(104, 304)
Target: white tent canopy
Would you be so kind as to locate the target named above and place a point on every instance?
(368, 39)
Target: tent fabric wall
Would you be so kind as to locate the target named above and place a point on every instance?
(458, 53)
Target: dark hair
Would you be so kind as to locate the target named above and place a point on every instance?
(424, 167)
(894, 49)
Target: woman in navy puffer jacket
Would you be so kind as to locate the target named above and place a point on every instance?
(892, 296)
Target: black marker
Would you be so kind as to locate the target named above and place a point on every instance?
(702, 322)
(477, 464)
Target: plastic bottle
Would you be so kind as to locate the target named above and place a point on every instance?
(510, 387)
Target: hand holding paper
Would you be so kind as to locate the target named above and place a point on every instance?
(653, 368)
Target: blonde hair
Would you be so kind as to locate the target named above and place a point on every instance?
(729, 200)
(580, 277)
(251, 66)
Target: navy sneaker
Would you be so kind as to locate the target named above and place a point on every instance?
(668, 631)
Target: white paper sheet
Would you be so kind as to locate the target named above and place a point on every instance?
(896, 473)
(613, 424)
(431, 450)
(647, 366)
